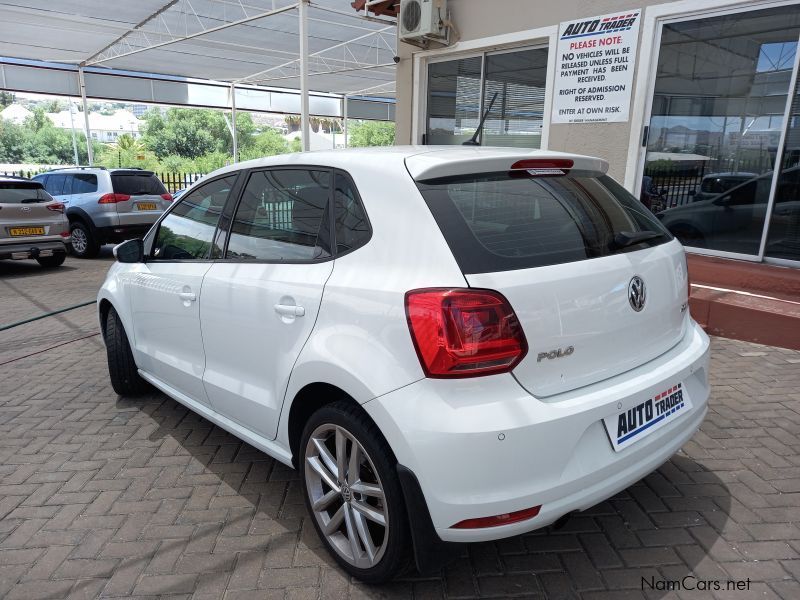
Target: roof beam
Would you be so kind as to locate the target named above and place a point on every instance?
(139, 25)
(109, 54)
(378, 33)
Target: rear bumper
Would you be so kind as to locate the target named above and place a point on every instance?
(483, 447)
(25, 250)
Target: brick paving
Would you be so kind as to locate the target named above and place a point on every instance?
(108, 497)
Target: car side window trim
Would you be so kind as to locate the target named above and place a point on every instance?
(248, 174)
(358, 199)
(148, 245)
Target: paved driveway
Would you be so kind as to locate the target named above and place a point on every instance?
(108, 497)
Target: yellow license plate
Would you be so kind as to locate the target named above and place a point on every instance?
(146, 205)
(23, 231)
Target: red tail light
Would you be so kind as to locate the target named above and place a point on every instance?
(56, 207)
(66, 234)
(113, 198)
(464, 332)
(497, 520)
(167, 197)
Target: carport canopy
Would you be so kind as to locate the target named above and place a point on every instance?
(261, 55)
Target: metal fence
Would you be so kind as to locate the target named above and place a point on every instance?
(172, 181)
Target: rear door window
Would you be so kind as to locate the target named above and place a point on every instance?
(283, 216)
(137, 183)
(84, 183)
(511, 220)
(55, 184)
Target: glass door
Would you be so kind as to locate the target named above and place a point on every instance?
(783, 238)
(717, 118)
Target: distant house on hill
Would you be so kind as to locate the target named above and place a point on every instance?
(104, 128)
(16, 113)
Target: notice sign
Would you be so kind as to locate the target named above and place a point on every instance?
(594, 68)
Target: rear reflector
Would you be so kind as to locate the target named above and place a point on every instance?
(113, 198)
(167, 197)
(56, 207)
(464, 332)
(66, 234)
(498, 520)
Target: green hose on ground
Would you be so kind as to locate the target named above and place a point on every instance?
(49, 314)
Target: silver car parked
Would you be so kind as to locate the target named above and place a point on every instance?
(32, 223)
(106, 206)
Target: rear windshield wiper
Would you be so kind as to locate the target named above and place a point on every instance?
(623, 239)
(29, 200)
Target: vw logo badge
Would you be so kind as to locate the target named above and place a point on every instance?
(636, 293)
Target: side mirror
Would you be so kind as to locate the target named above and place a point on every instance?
(129, 251)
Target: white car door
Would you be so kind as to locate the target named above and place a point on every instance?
(261, 301)
(166, 294)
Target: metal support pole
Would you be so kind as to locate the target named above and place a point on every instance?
(304, 125)
(72, 131)
(233, 124)
(86, 116)
(344, 118)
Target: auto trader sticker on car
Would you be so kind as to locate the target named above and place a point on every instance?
(631, 425)
(594, 73)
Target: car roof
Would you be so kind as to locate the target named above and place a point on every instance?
(426, 159)
(731, 175)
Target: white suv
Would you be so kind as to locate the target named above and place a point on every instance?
(450, 344)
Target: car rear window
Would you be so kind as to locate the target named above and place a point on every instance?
(137, 183)
(22, 192)
(512, 220)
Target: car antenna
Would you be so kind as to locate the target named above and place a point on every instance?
(473, 141)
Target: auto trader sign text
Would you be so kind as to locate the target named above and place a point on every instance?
(594, 68)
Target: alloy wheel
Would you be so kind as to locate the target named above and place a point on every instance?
(346, 496)
(79, 241)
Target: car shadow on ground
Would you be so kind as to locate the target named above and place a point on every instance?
(17, 269)
(662, 529)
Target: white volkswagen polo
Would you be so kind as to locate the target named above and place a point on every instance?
(450, 344)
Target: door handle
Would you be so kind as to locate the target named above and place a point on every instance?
(187, 296)
(290, 310)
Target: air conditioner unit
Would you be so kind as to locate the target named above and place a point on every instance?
(420, 19)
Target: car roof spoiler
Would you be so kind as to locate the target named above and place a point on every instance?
(452, 161)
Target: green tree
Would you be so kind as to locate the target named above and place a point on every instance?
(12, 142)
(267, 143)
(6, 98)
(371, 133)
(182, 131)
(192, 133)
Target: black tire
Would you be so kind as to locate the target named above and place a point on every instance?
(396, 556)
(49, 262)
(121, 367)
(84, 244)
